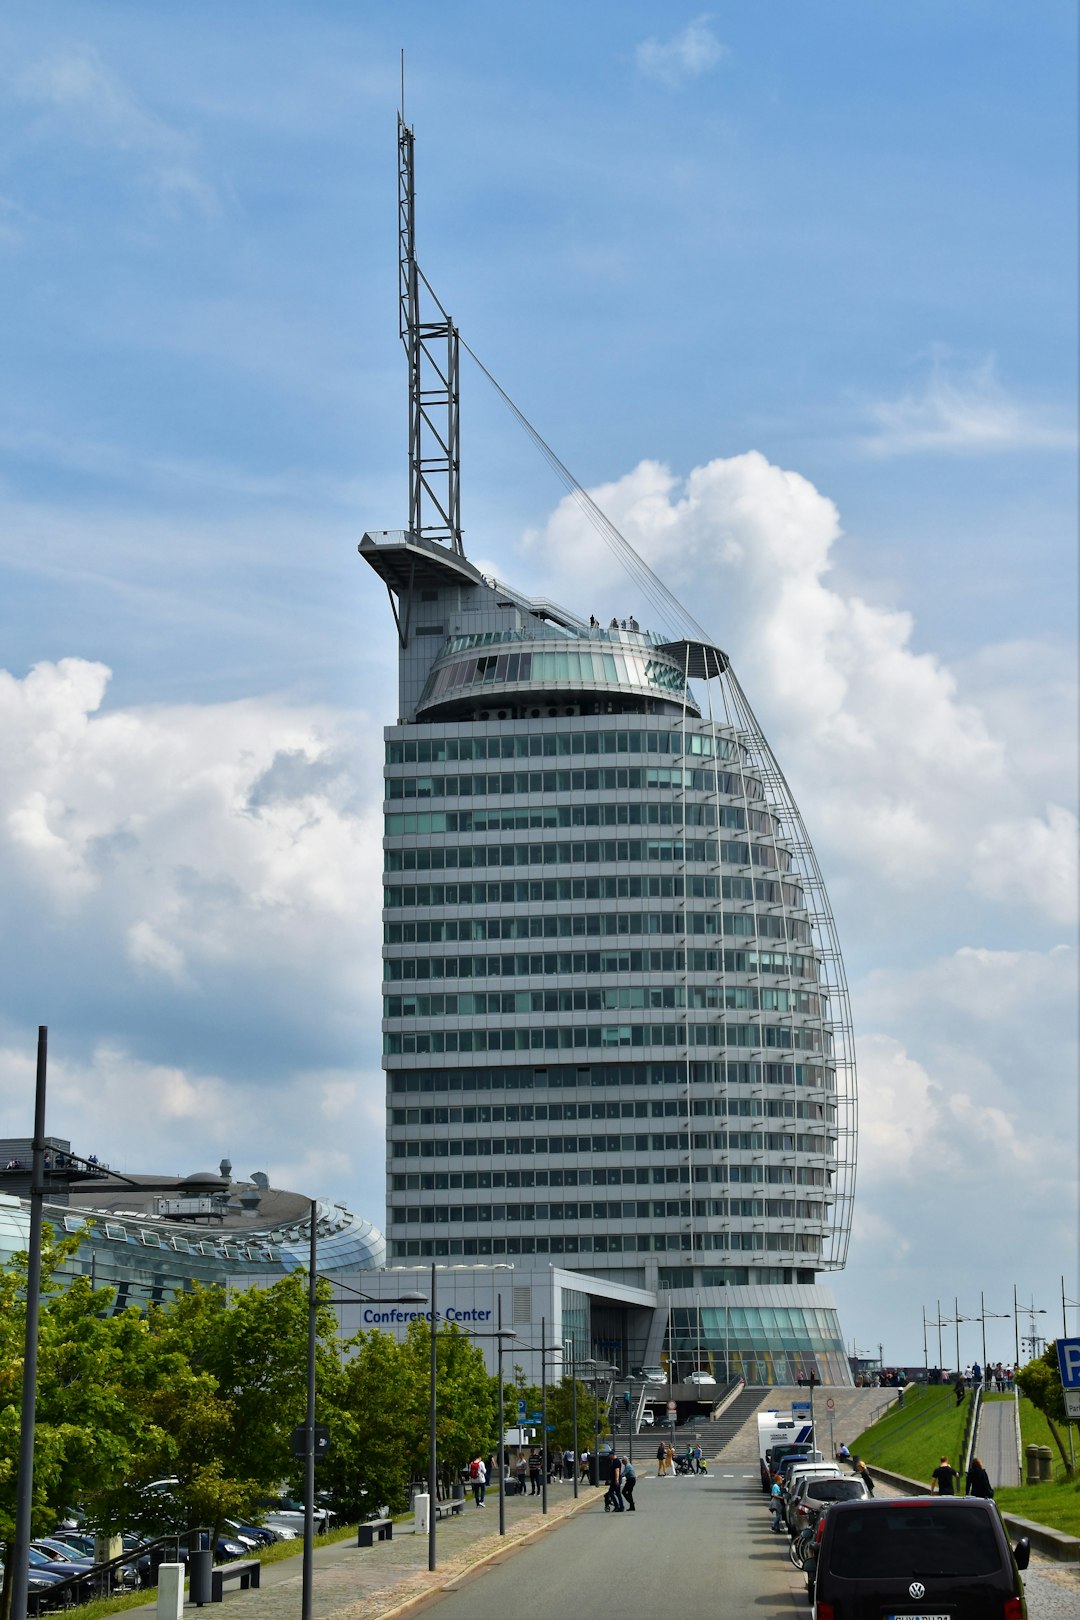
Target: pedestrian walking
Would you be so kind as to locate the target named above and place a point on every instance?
(699, 1467)
(669, 1457)
(776, 1502)
(861, 1471)
(661, 1460)
(613, 1502)
(583, 1469)
(521, 1469)
(978, 1481)
(478, 1480)
(943, 1479)
(629, 1480)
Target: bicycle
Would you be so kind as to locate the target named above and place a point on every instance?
(801, 1547)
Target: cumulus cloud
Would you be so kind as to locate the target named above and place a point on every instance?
(201, 889)
(78, 96)
(966, 412)
(900, 772)
(685, 56)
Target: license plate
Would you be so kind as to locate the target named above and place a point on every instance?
(920, 1616)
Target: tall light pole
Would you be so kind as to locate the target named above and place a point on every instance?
(573, 1408)
(500, 1333)
(983, 1314)
(432, 1415)
(25, 1488)
(308, 1571)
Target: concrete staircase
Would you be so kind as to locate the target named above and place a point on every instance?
(734, 1434)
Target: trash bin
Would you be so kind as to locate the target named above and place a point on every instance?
(457, 1492)
(199, 1566)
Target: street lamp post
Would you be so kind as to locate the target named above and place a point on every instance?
(500, 1333)
(308, 1571)
(573, 1409)
(983, 1314)
(432, 1415)
(25, 1488)
(1031, 1311)
(543, 1413)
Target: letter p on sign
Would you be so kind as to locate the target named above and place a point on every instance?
(1069, 1362)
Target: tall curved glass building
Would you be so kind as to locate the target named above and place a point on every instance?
(616, 1031)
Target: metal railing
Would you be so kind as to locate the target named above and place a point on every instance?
(68, 1593)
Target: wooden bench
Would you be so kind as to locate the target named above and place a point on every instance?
(447, 1510)
(248, 1571)
(374, 1530)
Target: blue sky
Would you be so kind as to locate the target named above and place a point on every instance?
(793, 288)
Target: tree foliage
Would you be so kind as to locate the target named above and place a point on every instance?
(204, 1393)
(384, 1415)
(1040, 1381)
(560, 1411)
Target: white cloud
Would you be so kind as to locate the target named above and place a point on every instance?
(904, 777)
(685, 56)
(193, 836)
(78, 96)
(969, 413)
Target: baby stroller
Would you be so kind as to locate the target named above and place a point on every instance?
(684, 1465)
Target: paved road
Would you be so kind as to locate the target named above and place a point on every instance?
(697, 1548)
(996, 1443)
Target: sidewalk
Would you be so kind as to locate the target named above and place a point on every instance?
(352, 1583)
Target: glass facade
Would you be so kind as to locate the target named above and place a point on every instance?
(615, 1022)
(147, 1258)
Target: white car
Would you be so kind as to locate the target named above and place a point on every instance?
(701, 1378)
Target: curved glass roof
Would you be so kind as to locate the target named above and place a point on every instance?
(520, 669)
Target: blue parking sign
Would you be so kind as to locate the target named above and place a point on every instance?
(1068, 1352)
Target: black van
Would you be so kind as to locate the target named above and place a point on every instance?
(918, 1558)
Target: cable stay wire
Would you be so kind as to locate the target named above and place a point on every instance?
(672, 617)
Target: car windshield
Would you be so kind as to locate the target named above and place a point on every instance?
(903, 1541)
(836, 1490)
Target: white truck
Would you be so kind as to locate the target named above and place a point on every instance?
(776, 1429)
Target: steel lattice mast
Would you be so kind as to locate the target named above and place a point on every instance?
(434, 386)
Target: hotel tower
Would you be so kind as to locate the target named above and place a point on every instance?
(616, 1032)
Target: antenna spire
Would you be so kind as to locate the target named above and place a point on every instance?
(434, 380)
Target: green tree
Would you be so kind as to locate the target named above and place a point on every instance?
(89, 1430)
(1040, 1381)
(560, 1411)
(373, 1431)
(233, 1387)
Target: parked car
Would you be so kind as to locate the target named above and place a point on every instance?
(259, 1535)
(700, 1378)
(277, 1511)
(64, 1570)
(923, 1555)
(648, 1418)
(63, 1553)
(40, 1581)
(807, 1470)
(809, 1496)
(652, 1375)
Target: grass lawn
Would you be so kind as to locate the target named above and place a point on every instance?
(102, 1607)
(910, 1443)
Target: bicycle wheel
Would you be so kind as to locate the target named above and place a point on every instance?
(800, 1549)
